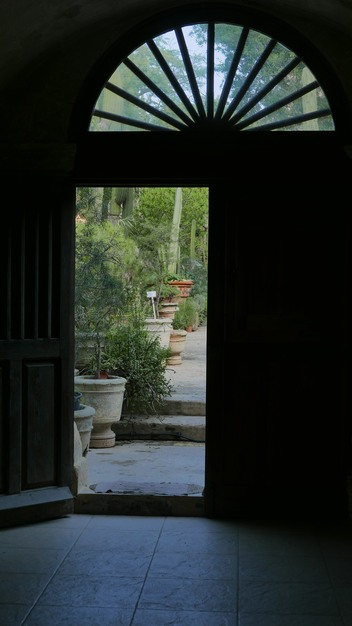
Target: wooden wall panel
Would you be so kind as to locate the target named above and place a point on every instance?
(2, 442)
(40, 425)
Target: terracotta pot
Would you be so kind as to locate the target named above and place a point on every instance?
(168, 310)
(177, 346)
(184, 287)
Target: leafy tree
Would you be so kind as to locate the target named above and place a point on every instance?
(99, 288)
(156, 206)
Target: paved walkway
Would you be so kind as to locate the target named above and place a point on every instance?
(174, 465)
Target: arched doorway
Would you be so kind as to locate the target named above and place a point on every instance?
(274, 241)
(278, 364)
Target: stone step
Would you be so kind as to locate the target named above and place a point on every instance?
(182, 427)
(184, 404)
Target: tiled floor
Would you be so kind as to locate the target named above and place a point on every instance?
(155, 571)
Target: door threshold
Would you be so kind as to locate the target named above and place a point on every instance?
(143, 505)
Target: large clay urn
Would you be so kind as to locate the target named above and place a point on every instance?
(177, 345)
(160, 328)
(184, 288)
(168, 310)
(105, 395)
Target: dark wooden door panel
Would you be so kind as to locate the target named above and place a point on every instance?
(279, 364)
(36, 339)
(40, 428)
(3, 464)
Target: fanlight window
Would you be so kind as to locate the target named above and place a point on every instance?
(213, 75)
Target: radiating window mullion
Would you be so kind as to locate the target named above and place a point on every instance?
(158, 92)
(231, 73)
(230, 77)
(265, 90)
(250, 78)
(210, 70)
(190, 72)
(121, 119)
(298, 119)
(173, 80)
(277, 105)
(143, 105)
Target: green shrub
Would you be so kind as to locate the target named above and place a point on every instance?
(187, 314)
(132, 353)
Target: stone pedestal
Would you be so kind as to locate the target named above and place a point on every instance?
(161, 328)
(80, 466)
(84, 420)
(177, 345)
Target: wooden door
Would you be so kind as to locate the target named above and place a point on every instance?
(278, 365)
(36, 360)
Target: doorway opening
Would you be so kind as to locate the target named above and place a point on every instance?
(141, 316)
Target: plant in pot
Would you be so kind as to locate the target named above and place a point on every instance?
(152, 242)
(183, 286)
(99, 295)
(139, 358)
(186, 318)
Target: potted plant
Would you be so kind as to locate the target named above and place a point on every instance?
(187, 317)
(183, 286)
(99, 295)
(139, 358)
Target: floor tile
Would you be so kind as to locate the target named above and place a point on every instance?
(188, 594)
(179, 541)
(340, 570)
(182, 565)
(21, 588)
(93, 539)
(269, 619)
(200, 524)
(287, 598)
(275, 541)
(106, 562)
(78, 616)
(30, 560)
(344, 599)
(13, 614)
(92, 591)
(108, 570)
(337, 543)
(44, 535)
(127, 522)
(71, 521)
(183, 618)
(277, 568)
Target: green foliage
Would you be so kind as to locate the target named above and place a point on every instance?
(187, 315)
(99, 288)
(107, 265)
(156, 206)
(138, 357)
(201, 303)
(168, 292)
(119, 260)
